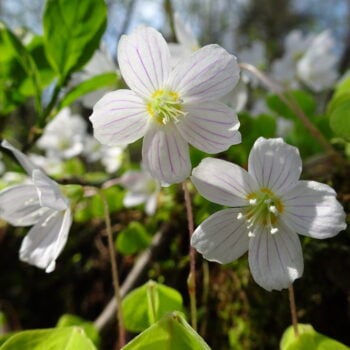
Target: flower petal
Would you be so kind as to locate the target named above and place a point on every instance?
(184, 34)
(207, 74)
(275, 260)
(26, 163)
(19, 205)
(221, 237)
(132, 199)
(45, 241)
(144, 60)
(222, 182)
(151, 204)
(211, 127)
(49, 193)
(274, 164)
(165, 154)
(119, 118)
(311, 209)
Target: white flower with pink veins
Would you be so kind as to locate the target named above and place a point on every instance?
(39, 203)
(269, 206)
(170, 107)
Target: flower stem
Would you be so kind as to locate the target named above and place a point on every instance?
(151, 299)
(114, 267)
(293, 310)
(191, 280)
(290, 102)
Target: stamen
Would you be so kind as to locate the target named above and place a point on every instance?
(273, 210)
(165, 106)
(264, 209)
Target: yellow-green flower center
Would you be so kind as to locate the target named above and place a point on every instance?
(264, 209)
(165, 106)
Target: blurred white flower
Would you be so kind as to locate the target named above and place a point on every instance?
(51, 165)
(309, 59)
(296, 43)
(111, 157)
(39, 203)
(187, 42)
(284, 69)
(269, 205)
(317, 67)
(63, 137)
(141, 188)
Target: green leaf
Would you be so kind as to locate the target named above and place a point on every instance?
(72, 31)
(91, 332)
(147, 304)
(133, 239)
(17, 65)
(308, 339)
(338, 110)
(304, 100)
(252, 127)
(339, 119)
(45, 71)
(106, 80)
(172, 332)
(68, 338)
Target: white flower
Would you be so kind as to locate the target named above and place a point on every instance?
(63, 137)
(51, 165)
(110, 157)
(309, 59)
(284, 69)
(142, 188)
(39, 203)
(169, 107)
(269, 204)
(317, 67)
(187, 42)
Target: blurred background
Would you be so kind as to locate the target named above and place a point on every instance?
(234, 312)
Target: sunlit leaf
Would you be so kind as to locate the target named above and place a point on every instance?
(172, 332)
(72, 32)
(340, 119)
(91, 332)
(16, 66)
(133, 239)
(308, 339)
(338, 110)
(97, 82)
(148, 303)
(68, 338)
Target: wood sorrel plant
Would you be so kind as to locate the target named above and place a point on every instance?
(174, 102)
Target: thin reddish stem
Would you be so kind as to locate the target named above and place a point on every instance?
(191, 281)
